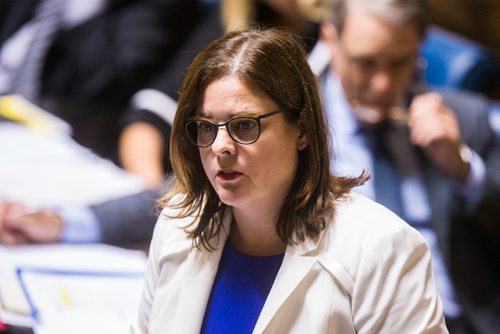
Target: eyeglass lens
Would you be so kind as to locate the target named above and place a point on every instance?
(244, 130)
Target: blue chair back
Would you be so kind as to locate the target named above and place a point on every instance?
(456, 62)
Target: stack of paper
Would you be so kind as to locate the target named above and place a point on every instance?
(44, 170)
(42, 166)
(70, 288)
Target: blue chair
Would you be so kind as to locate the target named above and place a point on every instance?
(456, 62)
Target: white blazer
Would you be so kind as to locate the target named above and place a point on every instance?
(368, 272)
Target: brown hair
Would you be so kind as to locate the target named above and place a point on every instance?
(273, 60)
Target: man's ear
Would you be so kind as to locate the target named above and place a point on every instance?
(331, 39)
(328, 33)
(302, 139)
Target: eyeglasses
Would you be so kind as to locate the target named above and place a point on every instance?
(375, 114)
(242, 129)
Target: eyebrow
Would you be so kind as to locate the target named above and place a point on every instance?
(231, 114)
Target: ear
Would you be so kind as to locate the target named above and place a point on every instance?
(330, 37)
(328, 33)
(302, 139)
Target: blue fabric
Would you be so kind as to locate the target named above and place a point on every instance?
(458, 62)
(240, 289)
(80, 225)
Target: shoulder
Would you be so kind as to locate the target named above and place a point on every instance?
(170, 234)
(462, 97)
(359, 214)
(382, 263)
(464, 103)
(364, 232)
(168, 224)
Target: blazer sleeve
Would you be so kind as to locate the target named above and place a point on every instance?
(395, 290)
(130, 220)
(476, 131)
(472, 111)
(140, 325)
(474, 241)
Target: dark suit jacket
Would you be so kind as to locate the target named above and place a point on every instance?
(470, 242)
(169, 80)
(129, 221)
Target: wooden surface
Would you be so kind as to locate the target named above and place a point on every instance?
(476, 19)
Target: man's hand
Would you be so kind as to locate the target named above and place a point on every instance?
(19, 226)
(434, 128)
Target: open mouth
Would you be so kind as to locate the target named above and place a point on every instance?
(228, 175)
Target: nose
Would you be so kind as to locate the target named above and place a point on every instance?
(223, 143)
(381, 81)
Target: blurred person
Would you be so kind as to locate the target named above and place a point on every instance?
(441, 159)
(143, 144)
(126, 222)
(129, 220)
(256, 234)
(84, 60)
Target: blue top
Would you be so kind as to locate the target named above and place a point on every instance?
(240, 289)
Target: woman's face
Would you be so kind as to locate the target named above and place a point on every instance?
(249, 176)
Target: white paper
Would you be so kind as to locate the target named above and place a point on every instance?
(82, 302)
(51, 170)
(84, 290)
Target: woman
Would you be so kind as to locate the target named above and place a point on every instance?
(257, 235)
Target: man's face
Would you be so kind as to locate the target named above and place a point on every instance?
(375, 60)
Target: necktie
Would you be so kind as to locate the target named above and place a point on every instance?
(387, 181)
(47, 20)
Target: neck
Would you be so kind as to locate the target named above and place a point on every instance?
(256, 234)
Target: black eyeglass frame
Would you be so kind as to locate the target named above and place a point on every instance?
(255, 117)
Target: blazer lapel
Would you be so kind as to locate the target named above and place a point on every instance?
(201, 267)
(296, 264)
(195, 290)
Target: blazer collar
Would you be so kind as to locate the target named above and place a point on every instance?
(294, 268)
(298, 261)
(201, 267)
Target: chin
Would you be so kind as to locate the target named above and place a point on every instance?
(228, 198)
(236, 201)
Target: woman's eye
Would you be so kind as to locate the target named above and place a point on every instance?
(205, 127)
(245, 124)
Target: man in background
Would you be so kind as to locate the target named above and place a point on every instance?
(433, 156)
